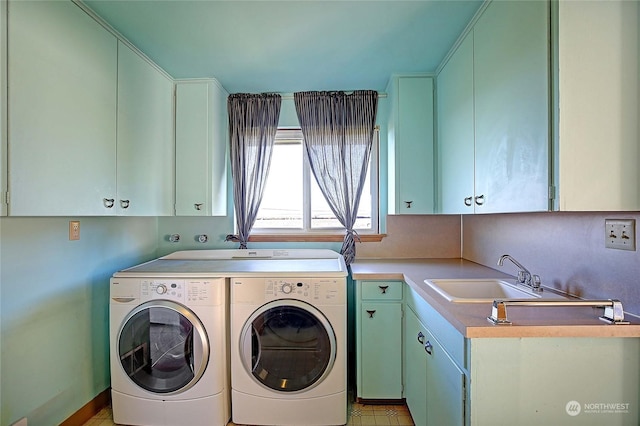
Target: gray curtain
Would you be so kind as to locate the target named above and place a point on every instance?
(253, 121)
(338, 130)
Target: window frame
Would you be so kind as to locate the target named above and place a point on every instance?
(306, 233)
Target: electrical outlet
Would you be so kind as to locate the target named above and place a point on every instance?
(74, 230)
(620, 234)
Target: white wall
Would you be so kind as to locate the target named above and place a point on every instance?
(599, 105)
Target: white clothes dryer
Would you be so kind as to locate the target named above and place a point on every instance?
(288, 351)
(169, 350)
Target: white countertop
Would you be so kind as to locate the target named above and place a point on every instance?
(470, 319)
(242, 263)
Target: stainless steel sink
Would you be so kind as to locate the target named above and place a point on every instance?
(479, 290)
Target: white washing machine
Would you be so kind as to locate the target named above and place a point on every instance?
(169, 350)
(288, 350)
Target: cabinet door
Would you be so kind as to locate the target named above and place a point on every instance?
(380, 366)
(145, 138)
(456, 131)
(62, 69)
(3, 108)
(445, 386)
(414, 146)
(201, 141)
(415, 371)
(511, 77)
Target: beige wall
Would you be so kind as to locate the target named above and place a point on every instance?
(416, 236)
(566, 249)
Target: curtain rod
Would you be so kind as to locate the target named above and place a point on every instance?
(289, 96)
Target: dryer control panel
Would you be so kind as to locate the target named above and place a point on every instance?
(312, 290)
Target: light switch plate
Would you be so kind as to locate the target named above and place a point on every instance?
(74, 230)
(620, 234)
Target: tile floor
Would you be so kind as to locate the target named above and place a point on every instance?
(359, 415)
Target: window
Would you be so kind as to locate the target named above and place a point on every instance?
(292, 201)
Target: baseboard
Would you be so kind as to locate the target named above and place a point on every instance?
(392, 401)
(89, 409)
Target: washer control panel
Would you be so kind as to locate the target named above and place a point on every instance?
(312, 290)
(191, 291)
(163, 289)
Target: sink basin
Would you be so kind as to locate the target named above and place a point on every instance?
(479, 290)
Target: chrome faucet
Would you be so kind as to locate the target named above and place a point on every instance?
(524, 276)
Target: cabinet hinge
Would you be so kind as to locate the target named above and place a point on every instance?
(552, 192)
(6, 198)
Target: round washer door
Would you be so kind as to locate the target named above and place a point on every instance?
(163, 347)
(288, 346)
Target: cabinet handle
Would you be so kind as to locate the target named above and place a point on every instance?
(479, 199)
(198, 206)
(421, 338)
(408, 203)
(124, 204)
(428, 347)
(371, 313)
(467, 201)
(108, 202)
(383, 288)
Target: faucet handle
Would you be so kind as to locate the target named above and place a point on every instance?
(524, 277)
(536, 283)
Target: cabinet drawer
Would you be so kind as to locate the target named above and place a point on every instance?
(382, 290)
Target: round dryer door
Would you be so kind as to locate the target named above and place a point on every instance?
(163, 347)
(288, 346)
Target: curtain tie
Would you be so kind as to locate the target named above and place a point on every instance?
(354, 234)
(236, 239)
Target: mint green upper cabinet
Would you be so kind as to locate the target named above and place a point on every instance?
(411, 149)
(145, 142)
(511, 83)
(493, 106)
(62, 71)
(456, 159)
(201, 147)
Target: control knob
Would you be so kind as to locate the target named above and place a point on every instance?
(286, 288)
(161, 289)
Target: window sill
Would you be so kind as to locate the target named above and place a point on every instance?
(312, 238)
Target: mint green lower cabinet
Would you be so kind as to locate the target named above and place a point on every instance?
(415, 382)
(445, 386)
(555, 381)
(434, 385)
(527, 381)
(379, 340)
